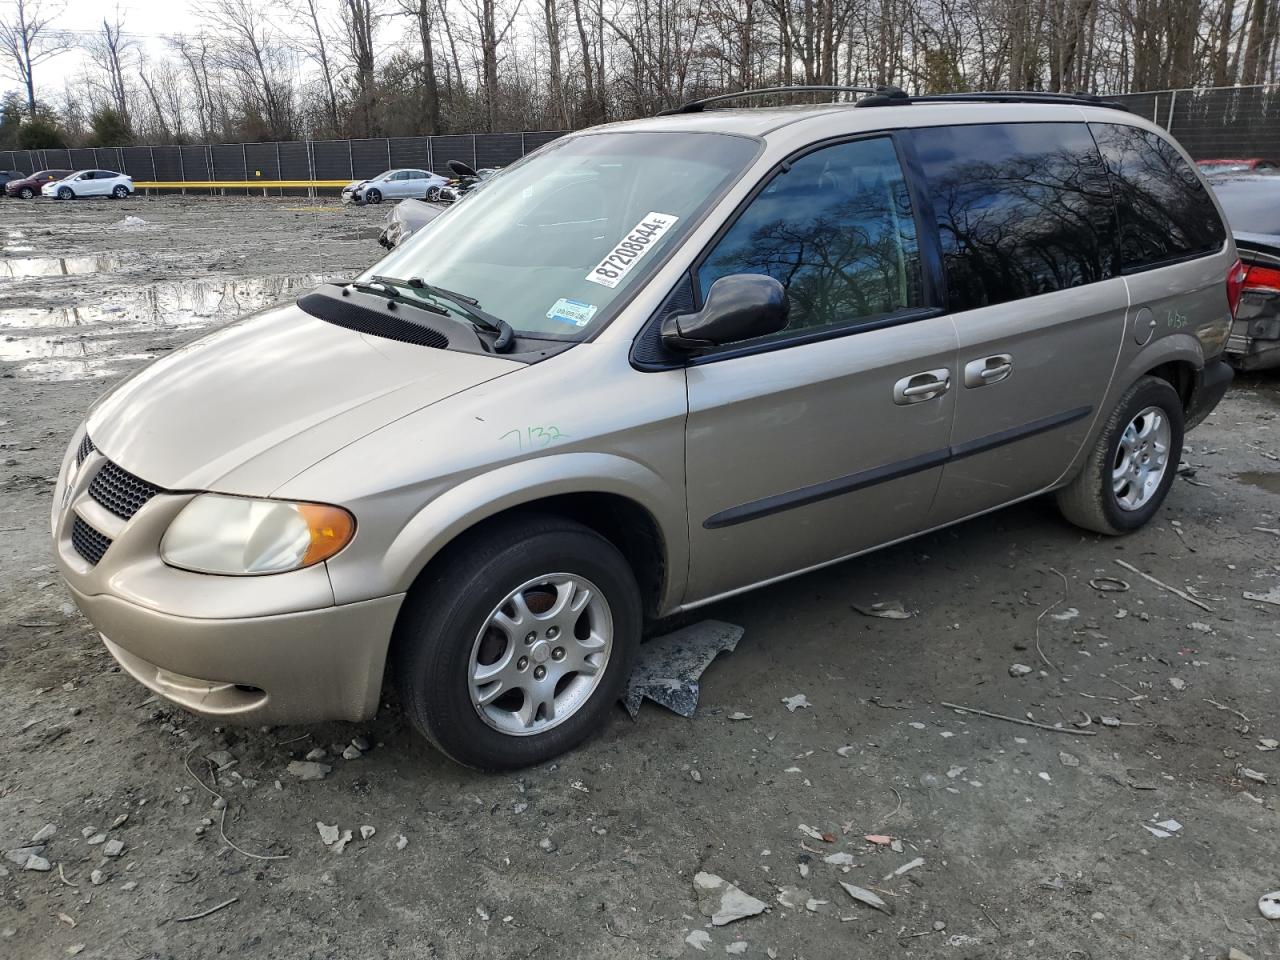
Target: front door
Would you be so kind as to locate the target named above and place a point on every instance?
(826, 438)
(1028, 235)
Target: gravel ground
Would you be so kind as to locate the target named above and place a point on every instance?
(1034, 843)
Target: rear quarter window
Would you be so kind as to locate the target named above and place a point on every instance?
(1165, 211)
(1021, 209)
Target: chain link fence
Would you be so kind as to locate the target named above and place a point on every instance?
(1216, 122)
(297, 160)
(1212, 122)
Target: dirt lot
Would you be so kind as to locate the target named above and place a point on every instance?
(1033, 842)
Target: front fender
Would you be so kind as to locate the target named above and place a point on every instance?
(462, 506)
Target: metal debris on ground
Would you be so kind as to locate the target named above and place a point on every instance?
(1164, 829)
(668, 667)
(885, 610)
(723, 902)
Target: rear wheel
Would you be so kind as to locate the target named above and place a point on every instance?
(1132, 466)
(373, 196)
(120, 191)
(433, 194)
(64, 193)
(516, 651)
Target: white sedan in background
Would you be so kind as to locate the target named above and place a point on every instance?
(90, 183)
(395, 185)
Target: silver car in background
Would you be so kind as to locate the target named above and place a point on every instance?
(400, 184)
(652, 365)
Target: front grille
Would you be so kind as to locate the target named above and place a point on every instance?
(120, 491)
(89, 543)
(86, 448)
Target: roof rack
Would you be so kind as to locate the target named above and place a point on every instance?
(697, 106)
(998, 96)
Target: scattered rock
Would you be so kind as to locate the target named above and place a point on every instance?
(220, 758)
(352, 753)
(113, 848)
(738, 946)
(38, 863)
(1269, 905)
(401, 841)
(867, 897)
(19, 855)
(1253, 775)
(905, 868)
(793, 897)
(1266, 744)
(736, 715)
(97, 878)
(96, 839)
(886, 610)
(1019, 670)
(366, 832)
(698, 939)
(546, 844)
(328, 834)
(695, 776)
(1068, 760)
(308, 769)
(44, 833)
(722, 901)
(1178, 683)
(796, 702)
(362, 744)
(839, 859)
(130, 885)
(1234, 954)
(119, 821)
(316, 754)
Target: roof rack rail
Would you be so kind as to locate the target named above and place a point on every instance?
(1000, 96)
(697, 106)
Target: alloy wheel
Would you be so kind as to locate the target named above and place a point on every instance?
(1142, 458)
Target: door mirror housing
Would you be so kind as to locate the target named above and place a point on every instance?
(740, 306)
(461, 169)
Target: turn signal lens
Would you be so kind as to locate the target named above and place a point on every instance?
(239, 536)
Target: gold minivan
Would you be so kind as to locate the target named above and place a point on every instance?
(652, 365)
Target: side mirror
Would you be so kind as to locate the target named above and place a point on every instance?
(461, 169)
(738, 307)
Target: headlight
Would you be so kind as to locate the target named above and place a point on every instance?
(237, 536)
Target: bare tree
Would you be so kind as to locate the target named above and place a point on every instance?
(359, 22)
(108, 50)
(317, 48)
(27, 40)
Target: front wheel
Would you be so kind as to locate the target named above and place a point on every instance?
(120, 191)
(1133, 463)
(518, 648)
(64, 193)
(26, 193)
(373, 196)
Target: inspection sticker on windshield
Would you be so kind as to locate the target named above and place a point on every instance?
(610, 271)
(572, 311)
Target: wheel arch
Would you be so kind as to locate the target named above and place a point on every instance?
(623, 501)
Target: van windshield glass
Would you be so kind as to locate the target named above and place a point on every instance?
(552, 242)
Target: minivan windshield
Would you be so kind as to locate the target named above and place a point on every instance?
(551, 242)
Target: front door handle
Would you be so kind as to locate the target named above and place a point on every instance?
(978, 373)
(922, 386)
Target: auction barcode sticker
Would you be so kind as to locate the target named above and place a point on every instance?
(610, 271)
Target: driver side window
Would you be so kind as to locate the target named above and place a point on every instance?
(836, 230)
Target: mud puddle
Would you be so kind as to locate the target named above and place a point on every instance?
(95, 333)
(1268, 480)
(21, 268)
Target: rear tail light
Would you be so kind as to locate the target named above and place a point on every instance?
(1235, 285)
(1262, 279)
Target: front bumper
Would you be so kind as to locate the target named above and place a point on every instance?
(301, 667)
(268, 649)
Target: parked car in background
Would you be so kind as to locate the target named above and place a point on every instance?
(28, 187)
(1237, 166)
(7, 176)
(395, 185)
(89, 183)
(464, 180)
(654, 365)
(1251, 202)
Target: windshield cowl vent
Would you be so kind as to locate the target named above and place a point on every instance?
(351, 316)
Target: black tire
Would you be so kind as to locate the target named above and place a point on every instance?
(433, 194)
(64, 193)
(120, 191)
(445, 612)
(26, 193)
(1089, 500)
(373, 196)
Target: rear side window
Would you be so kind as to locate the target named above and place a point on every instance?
(1022, 209)
(835, 228)
(1165, 211)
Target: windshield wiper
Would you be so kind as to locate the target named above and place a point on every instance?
(383, 289)
(469, 307)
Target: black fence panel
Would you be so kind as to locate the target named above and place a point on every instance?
(109, 158)
(57, 159)
(1218, 123)
(369, 158)
(168, 162)
(410, 152)
(444, 149)
(332, 159)
(82, 159)
(295, 161)
(499, 149)
(137, 163)
(532, 141)
(228, 161)
(262, 160)
(195, 162)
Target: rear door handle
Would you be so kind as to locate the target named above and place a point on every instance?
(979, 373)
(922, 386)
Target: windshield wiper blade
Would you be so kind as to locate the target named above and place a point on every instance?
(383, 289)
(467, 306)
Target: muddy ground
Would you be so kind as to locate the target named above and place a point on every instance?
(1033, 842)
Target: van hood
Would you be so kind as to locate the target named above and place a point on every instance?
(255, 403)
